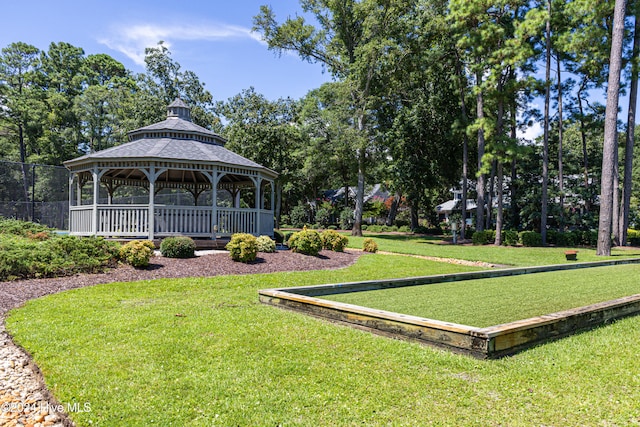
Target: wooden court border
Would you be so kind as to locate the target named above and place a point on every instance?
(485, 343)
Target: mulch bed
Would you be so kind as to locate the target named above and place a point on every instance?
(13, 294)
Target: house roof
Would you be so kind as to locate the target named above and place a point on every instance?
(451, 205)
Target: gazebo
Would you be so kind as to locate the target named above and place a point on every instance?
(172, 178)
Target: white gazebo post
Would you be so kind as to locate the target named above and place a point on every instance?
(214, 178)
(96, 195)
(272, 205)
(152, 207)
(258, 205)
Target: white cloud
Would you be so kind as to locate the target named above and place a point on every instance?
(530, 133)
(132, 40)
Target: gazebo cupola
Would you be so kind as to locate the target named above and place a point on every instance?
(179, 109)
(172, 178)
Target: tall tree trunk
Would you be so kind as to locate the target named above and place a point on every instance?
(615, 214)
(480, 187)
(630, 139)
(413, 209)
(515, 223)
(357, 224)
(583, 138)
(498, 161)
(465, 153)
(610, 132)
(393, 210)
(361, 153)
(560, 153)
(545, 149)
(490, 193)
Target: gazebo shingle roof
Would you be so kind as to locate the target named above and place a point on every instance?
(170, 149)
(175, 138)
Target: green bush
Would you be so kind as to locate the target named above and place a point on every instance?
(369, 245)
(530, 238)
(306, 242)
(346, 219)
(484, 237)
(364, 227)
(332, 227)
(589, 238)
(278, 236)
(334, 241)
(299, 216)
(243, 247)
(510, 238)
(17, 227)
(323, 217)
(22, 258)
(287, 236)
(178, 247)
(266, 244)
(404, 229)
(137, 252)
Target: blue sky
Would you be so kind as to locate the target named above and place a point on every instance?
(211, 38)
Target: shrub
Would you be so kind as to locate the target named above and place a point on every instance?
(404, 229)
(589, 238)
(266, 244)
(243, 247)
(22, 228)
(178, 247)
(278, 236)
(287, 236)
(332, 227)
(306, 242)
(334, 241)
(531, 238)
(323, 217)
(22, 258)
(370, 245)
(346, 219)
(483, 237)
(510, 238)
(299, 216)
(364, 227)
(137, 252)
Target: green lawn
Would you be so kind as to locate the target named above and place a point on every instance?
(504, 255)
(488, 302)
(204, 352)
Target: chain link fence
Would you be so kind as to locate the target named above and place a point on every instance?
(33, 192)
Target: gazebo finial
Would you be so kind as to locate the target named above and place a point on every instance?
(179, 110)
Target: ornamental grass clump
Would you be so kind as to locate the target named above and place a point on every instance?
(266, 244)
(369, 245)
(334, 241)
(243, 247)
(178, 247)
(306, 242)
(137, 253)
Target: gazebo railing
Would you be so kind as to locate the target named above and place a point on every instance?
(194, 221)
(234, 220)
(123, 220)
(81, 220)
